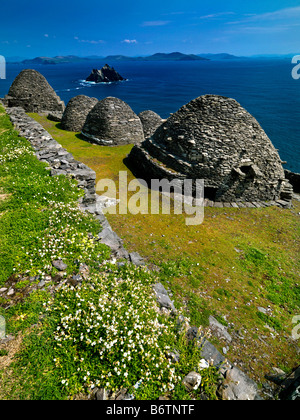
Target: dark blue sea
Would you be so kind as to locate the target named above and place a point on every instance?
(264, 87)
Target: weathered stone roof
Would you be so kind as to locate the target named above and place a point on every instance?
(31, 91)
(151, 121)
(76, 112)
(112, 122)
(214, 138)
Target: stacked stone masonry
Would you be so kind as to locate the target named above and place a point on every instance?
(61, 162)
(151, 121)
(76, 112)
(112, 123)
(215, 139)
(49, 150)
(31, 91)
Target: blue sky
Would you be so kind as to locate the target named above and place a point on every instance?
(137, 27)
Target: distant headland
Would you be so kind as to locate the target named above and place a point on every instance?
(174, 56)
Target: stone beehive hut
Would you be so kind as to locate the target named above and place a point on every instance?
(112, 122)
(150, 121)
(31, 91)
(76, 112)
(215, 139)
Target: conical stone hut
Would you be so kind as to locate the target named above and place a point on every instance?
(31, 91)
(150, 121)
(213, 138)
(112, 122)
(76, 112)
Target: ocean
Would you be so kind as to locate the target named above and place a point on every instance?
(264, 87)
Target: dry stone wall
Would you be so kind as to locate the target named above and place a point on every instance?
(61, 162)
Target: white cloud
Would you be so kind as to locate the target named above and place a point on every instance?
(46, 35)
(156, 23)
(129, 41)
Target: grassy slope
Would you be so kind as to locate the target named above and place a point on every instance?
(106, 330)
(39, 221)
(236, 261)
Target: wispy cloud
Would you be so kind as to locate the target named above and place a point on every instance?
(176, 13)
(287, 14)
(129, 41)
(216, 15)
(88, 41)
(278, 21)
(155, 23)
(256, 29)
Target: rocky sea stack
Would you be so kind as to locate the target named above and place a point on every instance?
(76, 112)
(111, 123)
(106, 75)
(214, 138)
(31, 91)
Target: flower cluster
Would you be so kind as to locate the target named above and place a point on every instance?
(65, 237)
(114, 333)
(13, 153)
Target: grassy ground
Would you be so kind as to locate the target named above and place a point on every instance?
(235, 262)
(93, 324)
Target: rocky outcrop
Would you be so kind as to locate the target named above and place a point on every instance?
(215, 139)
(106, 75)
(31, 91)
(151, 121)
(112, 123)
(76, 112)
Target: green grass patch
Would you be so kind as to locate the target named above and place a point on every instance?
(104, 333)
(39, 218)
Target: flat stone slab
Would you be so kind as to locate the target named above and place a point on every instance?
(219, 330)
(163, 298)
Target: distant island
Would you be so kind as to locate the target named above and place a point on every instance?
(174, 56)
(105, 75)
(55, 60)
